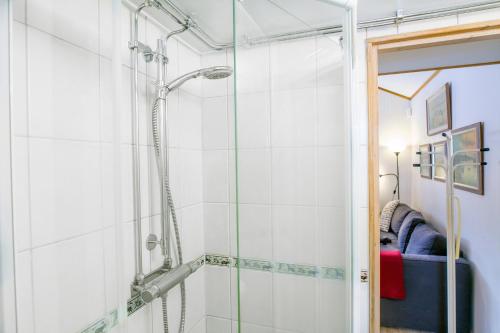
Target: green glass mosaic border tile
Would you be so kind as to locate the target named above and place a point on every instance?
(331, 273)
(104, 324)
(135, 303)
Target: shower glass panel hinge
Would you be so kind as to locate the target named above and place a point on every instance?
(364, 275)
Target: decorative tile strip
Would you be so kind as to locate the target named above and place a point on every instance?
(259, 265)
(104, 324)
(134, 304)
(217, 260)
(303, 270)
(332, 273)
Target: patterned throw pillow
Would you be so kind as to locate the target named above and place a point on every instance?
(386, 216)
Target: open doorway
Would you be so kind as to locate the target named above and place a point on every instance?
(422, 85)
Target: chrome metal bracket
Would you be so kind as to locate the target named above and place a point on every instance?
(151, 242)
(146, 51)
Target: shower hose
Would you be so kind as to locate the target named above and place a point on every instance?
(164, 180)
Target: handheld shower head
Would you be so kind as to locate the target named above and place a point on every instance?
(211, 73)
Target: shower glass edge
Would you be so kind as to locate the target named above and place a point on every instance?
(276, 265)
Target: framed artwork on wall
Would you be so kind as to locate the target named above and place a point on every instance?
(440, 155)
(425, 171)
(469, 177)
(438, 108)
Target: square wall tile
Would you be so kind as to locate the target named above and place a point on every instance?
(215, 123)
(65, 189)
(106, 28)
(254, 171)
(69, 294)
(192, 232)
(216, 228)
(195, 286)
(256, 297)
(218, 325)
(63, 86)
(331, 125)
(330, 61)
(189, 61)
(215, 176)
(254, 120)
(126, 108)
(332, 236)
(108, 125)
(293, 176)
(255, 234)
(218, 291)
(293, 64)
(294, 234)
(189, 121)
(75, 21)
(294, 302)
(19, 112)
(253, 65)
(293, 115)
(332, 310)
(19, 10)
(21, 193)
(331, 176)
(190, 176)
(24, 293)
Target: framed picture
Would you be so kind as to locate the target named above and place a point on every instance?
(468, 177)
(439, 111)
(425, 171)
(440, 155)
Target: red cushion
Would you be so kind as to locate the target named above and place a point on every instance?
(391, 275)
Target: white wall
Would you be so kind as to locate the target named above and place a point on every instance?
(68, 143)
(394, 126)
(475, 98)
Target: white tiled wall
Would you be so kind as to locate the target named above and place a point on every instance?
(66, 217)
(290, 176)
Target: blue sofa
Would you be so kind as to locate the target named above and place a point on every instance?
(424, 264)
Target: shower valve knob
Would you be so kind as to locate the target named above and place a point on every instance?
(151, 242)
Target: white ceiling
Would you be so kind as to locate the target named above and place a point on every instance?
(406, 84)
(260, 18)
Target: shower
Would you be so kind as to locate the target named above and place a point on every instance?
(211, 73)
(159, 281)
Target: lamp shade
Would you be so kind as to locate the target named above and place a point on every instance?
(396, 145)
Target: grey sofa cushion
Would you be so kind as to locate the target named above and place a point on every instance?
(409, 223)
(426, 240)
(398, 217)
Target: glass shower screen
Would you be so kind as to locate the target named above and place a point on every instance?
(290, 199)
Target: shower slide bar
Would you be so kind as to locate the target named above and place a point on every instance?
(180, 17)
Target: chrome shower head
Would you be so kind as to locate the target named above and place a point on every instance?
(211, 73)
(217, 72)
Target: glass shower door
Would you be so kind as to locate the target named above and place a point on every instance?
(291, 218)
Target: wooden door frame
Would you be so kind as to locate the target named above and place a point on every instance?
(375, 46)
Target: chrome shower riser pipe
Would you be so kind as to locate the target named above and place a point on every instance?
(139, 273)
